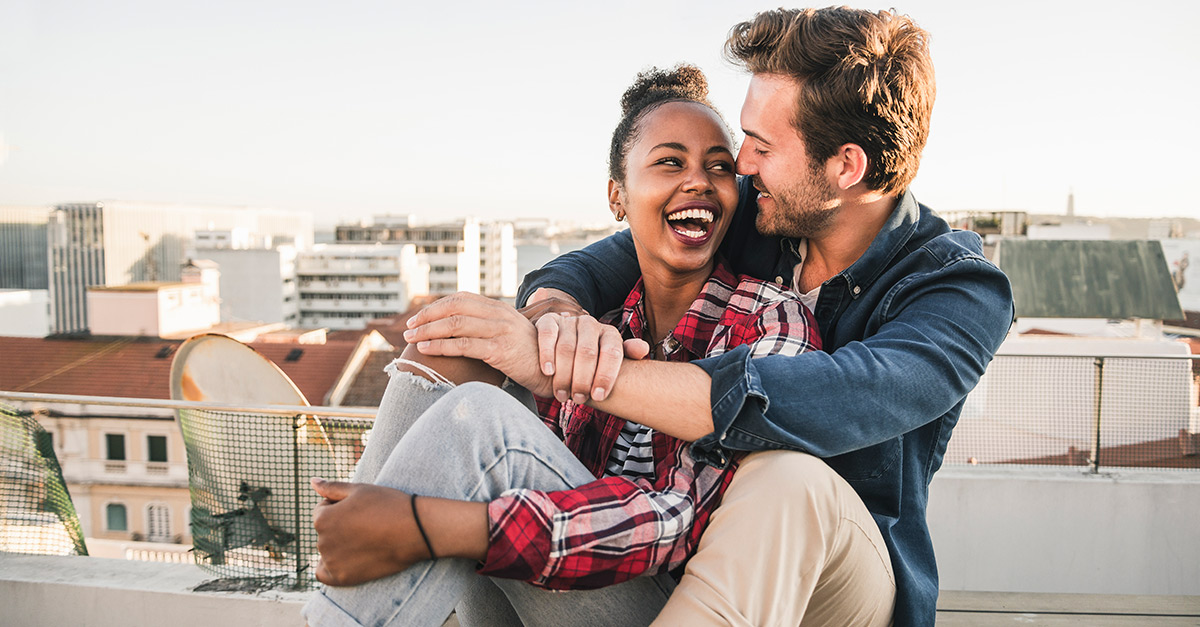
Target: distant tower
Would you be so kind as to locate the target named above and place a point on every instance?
(1071, 203)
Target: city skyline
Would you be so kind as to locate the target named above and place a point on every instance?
(504, 111)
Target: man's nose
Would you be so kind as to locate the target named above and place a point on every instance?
(744, 164)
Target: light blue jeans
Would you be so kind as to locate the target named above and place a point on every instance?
(472, 442)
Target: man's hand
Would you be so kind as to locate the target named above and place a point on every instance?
(469, 325)
(583, 355)
(364, 532)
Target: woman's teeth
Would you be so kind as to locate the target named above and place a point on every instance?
(691, 223)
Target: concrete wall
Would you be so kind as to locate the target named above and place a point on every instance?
(25, 313)
(43, 590)
(1064, 531)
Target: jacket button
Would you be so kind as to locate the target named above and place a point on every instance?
(779, 280)
(857, 290)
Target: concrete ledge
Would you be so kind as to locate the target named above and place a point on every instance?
(51, 590)
(1054, 530)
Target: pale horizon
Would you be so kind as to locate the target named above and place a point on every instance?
(505, 111)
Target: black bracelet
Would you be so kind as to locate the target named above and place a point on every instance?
(412, 502)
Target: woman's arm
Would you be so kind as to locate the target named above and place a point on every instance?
(366, 531)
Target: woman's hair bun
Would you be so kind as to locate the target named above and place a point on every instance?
(682, 82)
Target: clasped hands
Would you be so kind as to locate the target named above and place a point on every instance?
(551, 347)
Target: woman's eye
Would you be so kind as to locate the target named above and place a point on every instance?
(671, 161)
(723, 166)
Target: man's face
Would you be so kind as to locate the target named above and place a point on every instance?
(795, 197)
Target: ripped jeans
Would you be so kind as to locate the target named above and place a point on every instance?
(472, 442)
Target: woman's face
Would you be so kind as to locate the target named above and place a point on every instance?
(680, 189)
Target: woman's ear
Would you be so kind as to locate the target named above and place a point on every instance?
(616, 200)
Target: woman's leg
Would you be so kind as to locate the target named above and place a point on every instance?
(472, 443)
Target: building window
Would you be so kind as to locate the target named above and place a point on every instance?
(158, 523)
(156, 448)
(115, 516)
(115, 445)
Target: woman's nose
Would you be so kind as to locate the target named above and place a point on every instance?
(698, 180)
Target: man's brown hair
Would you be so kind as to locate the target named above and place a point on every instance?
(865, 78)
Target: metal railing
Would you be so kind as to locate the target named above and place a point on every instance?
(248, 472)
(249, 466)
(1095, 411)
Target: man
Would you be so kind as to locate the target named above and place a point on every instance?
(910, 314)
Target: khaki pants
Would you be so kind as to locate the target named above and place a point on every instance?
(791, 544)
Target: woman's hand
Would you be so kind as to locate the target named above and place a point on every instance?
(470, 325)
(364, 532)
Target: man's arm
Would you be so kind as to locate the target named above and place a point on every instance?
(597, 277)
(937, 336)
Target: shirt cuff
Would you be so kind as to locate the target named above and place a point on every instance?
(735, 388)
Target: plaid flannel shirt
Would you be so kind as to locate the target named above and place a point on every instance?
(617, 528)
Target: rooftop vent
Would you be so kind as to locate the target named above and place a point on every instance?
(294, 354)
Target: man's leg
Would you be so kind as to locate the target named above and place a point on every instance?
(791, 544)
(473, 443)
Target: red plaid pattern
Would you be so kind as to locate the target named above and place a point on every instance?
(617, 528)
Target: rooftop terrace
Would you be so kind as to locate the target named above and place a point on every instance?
(1069, 496)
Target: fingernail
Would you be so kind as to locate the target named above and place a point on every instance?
(409, 334)
(317, 481)
(579, 399)
(548, 368)
(561, 395)
(598, 394)
(422, 345)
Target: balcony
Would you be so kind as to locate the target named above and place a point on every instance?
(1070, 494)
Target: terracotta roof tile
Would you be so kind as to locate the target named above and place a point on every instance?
(139, 367)
(370, 382)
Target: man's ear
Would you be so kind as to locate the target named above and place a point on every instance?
(616, 204)
(849, 166)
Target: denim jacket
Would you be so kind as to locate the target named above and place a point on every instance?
(908, 329)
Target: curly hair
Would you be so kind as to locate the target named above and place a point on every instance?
(865, 78)
(650, 90)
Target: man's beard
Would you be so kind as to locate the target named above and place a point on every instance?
(803, 210)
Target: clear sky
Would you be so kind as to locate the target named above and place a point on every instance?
(504, 109)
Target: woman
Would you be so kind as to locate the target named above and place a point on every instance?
(592, 502)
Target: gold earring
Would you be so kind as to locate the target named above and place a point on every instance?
(620, 215)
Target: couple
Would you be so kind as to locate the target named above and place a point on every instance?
(909, 314)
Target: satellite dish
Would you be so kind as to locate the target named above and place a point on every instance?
(248, 471)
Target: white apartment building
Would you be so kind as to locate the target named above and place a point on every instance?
(464, 255)
(343, 286)
(258, 278)
(117, 243)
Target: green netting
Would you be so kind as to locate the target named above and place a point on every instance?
(251, 499)
(36, 513)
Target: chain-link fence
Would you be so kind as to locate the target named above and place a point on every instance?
(1096, 412)
(36, 513)
(252, 503)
